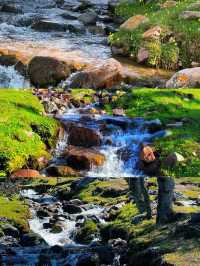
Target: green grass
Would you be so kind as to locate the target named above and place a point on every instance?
(15, 210)
(185, 44)
(25, 132)
(170, 106)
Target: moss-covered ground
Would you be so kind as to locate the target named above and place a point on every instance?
(167, 53)
(25, 133)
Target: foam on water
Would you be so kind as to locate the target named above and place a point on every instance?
(114, 165)
(10, 78)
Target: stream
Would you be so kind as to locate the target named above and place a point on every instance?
(118, 138)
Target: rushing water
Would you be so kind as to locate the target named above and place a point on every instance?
(10, 78)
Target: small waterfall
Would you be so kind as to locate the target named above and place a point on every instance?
(10, 78)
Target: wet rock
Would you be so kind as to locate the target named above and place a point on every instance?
(96, 29)
(82, 6)
(42, 213)
(186, 78)
(86, 233)
(103, 75)
(83, 159)
(47, 225)
(70, 15)
(88, 260)
(112, 4)
(50, 107)
(61, 170)
(134, 22)
(11, 60)
(76, 27)
(45, 71)
(25, 173)
(11, 8)
(88, 18)
(72, 208)
(10, 230)
(172, 159)
(190, 15)
(77, 202)
(8, 241)
(31, 239)
(48, 25)
(56, 229)
(82, 136)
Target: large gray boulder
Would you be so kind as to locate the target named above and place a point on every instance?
(186, 78)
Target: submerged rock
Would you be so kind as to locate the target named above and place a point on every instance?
(45, 71)
(48, 25)
(88, 18)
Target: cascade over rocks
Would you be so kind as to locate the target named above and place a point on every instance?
(45, 71)
(103, 75)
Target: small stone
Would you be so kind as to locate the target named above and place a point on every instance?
(190, 15)
(147, 154)
(153, 33)
(168, 4)
(143, 55)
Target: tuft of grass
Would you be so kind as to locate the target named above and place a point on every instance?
(25, 132)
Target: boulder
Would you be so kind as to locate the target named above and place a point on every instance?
(153, 33)
(61, 170)
(103, 75)
(25, 173)
(45, 71)
(10, 230)
(83, 136)
(48, 25)
(186, 78)
(11, 60)
(72, 208)
(76, 26)
(134, 22)
(31, 239)
(190, 15)
(83, 159)
(11, 8)
(143, 55)
(88, 18)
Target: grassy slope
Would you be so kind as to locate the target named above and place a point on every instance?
(169, 106)
(14, 210)
(21, 113)
(164, 54)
